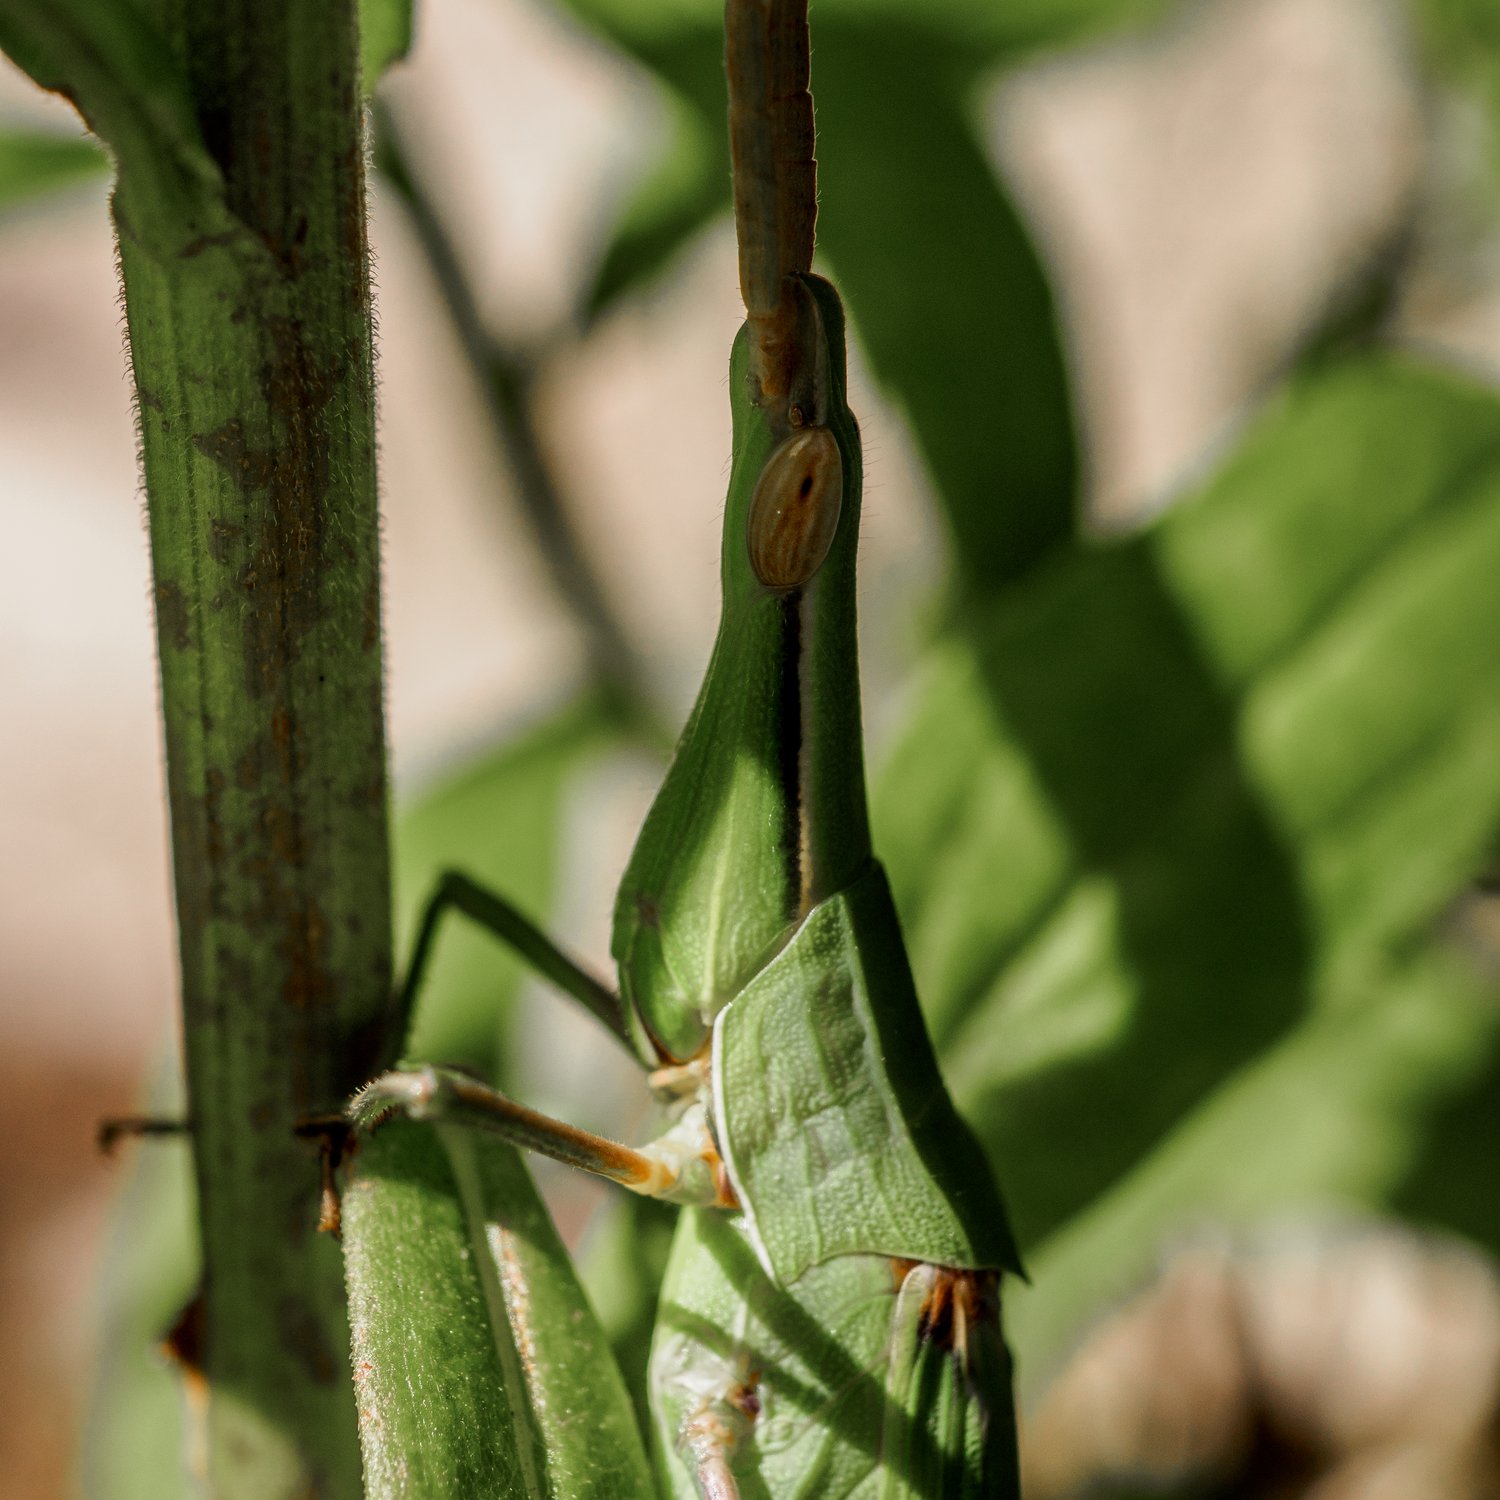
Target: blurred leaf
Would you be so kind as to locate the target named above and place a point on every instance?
(1325, 1120)
(496, 820)
(941, 278)
(135, 1437)
(980, 25)
(122, 75)
(688, 185)
(479, 1365)
(621, 1263)
(1460, 40)
(34, 163)
(948, 295)
(1182, 795)
(385, 32)
(684, 191)
(1445, 1182)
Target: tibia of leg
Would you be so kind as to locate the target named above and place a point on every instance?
(681, 1166)
(708, 1441)
(457, 892)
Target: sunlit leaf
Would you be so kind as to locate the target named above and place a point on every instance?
(479, 1366)
(1187, 794)
(1323, 1122)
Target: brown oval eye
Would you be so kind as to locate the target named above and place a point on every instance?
(795, 509)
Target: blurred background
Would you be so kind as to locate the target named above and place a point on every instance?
(1177, 351)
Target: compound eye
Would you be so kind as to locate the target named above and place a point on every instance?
(795, 509)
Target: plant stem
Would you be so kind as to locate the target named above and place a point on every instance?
(240, 208)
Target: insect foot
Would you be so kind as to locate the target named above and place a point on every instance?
(413, 1094)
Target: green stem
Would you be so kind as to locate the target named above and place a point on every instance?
(257, 410)
(240, 209)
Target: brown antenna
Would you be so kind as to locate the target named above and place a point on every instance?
(775, 175)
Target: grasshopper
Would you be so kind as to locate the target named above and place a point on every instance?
(829, 1320)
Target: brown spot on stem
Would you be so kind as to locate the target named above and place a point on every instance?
(172, 618)
(225, 445)
(202, 242)
(247, 771)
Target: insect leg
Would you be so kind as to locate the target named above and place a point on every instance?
(114, 1128)
(679, 1166)
(721, 1406)
(457, 892)
(708, 1445)
(948, 1425)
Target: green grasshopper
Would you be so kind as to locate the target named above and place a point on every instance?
(829, 1317)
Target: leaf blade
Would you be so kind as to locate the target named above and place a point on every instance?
(1229, 769)
(36, 164)
(479, 1366)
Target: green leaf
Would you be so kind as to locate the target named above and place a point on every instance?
(136, 1433)
(1460, 40)
(684, 191)
(497, 820)
(947, 293)
(479, 1365)
(621, 1263)
(983, 27)
(124, 78)
(1324, 1120)
(1455, 1149)
(1183, 795)
(385, 32)
(36, 163)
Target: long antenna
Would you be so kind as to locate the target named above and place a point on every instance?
(767, 57)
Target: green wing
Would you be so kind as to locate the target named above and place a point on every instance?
(833, 1120)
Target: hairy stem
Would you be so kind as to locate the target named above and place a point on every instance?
(236, 126)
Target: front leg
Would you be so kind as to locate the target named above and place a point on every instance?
(455, 891)
(681, 1166)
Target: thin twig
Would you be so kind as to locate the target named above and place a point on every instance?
(508, 379)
